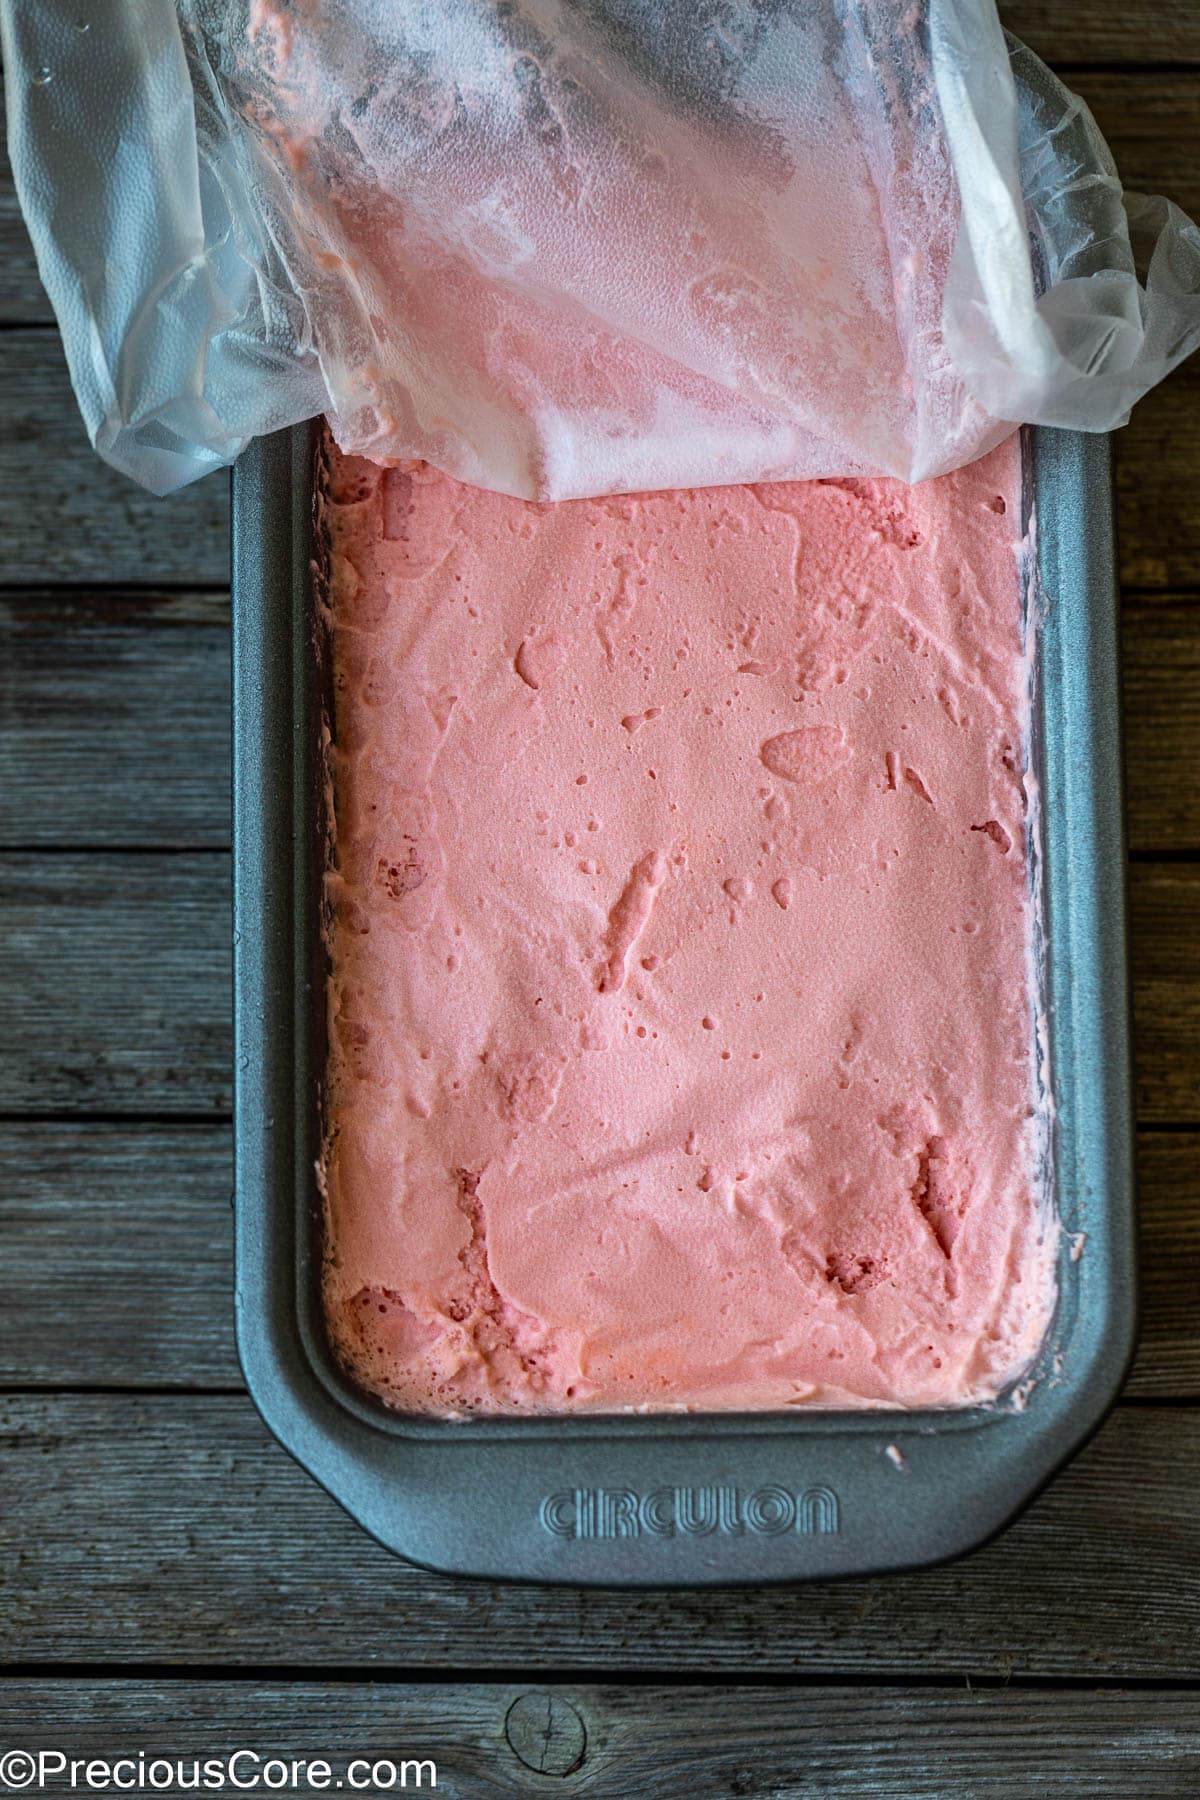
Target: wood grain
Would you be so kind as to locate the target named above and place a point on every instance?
(1152, 126)
(114, 719)
(1087, 31)
(656, 1743)
(1152, 123)
(118, 1258)
(146, 1527)
(117, 983)
(22, 298)
(115, 710)
(67, 516)
(1168, 1357)
(1157, 458)
(1160, 666)
(1165, 909)
(118, 1264)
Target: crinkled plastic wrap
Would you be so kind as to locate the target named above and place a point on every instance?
(565, 247)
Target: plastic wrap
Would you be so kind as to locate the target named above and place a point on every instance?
(562, 247)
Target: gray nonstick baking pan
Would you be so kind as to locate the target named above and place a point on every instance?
(671, 1499)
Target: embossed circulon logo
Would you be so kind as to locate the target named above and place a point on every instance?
(617, 1512)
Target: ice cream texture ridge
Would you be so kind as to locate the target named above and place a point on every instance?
(681, 1004)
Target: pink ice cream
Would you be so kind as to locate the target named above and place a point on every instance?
(682, 1017)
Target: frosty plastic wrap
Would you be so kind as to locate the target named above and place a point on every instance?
(566, 247)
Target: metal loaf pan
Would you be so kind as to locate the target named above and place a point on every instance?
(671, 1499)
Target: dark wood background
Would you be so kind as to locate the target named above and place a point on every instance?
(169, 1576)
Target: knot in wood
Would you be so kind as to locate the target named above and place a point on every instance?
(546, 1733)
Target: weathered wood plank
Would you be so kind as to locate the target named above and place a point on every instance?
(1103, 31)
(22, 298)
(1152, 125)
(116, 983)
(69, 517)
(117, 980)
(114, 719)
(658, 1743)
(1165, 908)
(1158, 487)
(1168, 1358)
(1161, 680)
(118, 1266)
(160, 1526)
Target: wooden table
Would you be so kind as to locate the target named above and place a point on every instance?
(170, 1577)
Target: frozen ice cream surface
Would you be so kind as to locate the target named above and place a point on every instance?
(681, 1007)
